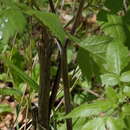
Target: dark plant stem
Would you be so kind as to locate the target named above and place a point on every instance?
(58, 74)
(76, 21)
(52, 6)
(55, 87)
(44, 90)
(65, 67)
(78, 16)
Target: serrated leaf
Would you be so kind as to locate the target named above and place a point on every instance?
(111, 95)
(115, 124)
(95, 44)
(11, 21)
(109, 79)
(85, 110)
(117, 57)
(5, 108)
(115, 28)
(51, 21)
(95, 124)
(125, 77)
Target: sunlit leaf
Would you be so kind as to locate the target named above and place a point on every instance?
(85, 110)
(5, 108)
(95, 124)
(110, 79)
(114, 27)
(95, 47)
(117, 57)
(95, 44)
(125, 77)
(126, 91)
(11, 21)
(111, 95)
(115, 124)
(126, 110)
(79, 123)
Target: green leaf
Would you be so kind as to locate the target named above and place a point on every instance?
(6, 4)
(95, 124)
(51, 21)
(127, 122)
(114, 5)
(22, 75)
(112, 95)
(117, 57)
(126, 90)
(78, 123)
(62, 127)
(110, 79)
(102, 16)
(11, 21)
(115, 28)
(5, 108)
(85, 110)
(10, 92)
(18, 59)
(115, 124)
(126, 110)
(72, 38)
(125, 77)
(95, 44)
(127, 16)
(86, 64)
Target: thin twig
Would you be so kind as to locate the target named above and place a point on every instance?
(93, 93)
(78, 16)
(77, 20)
